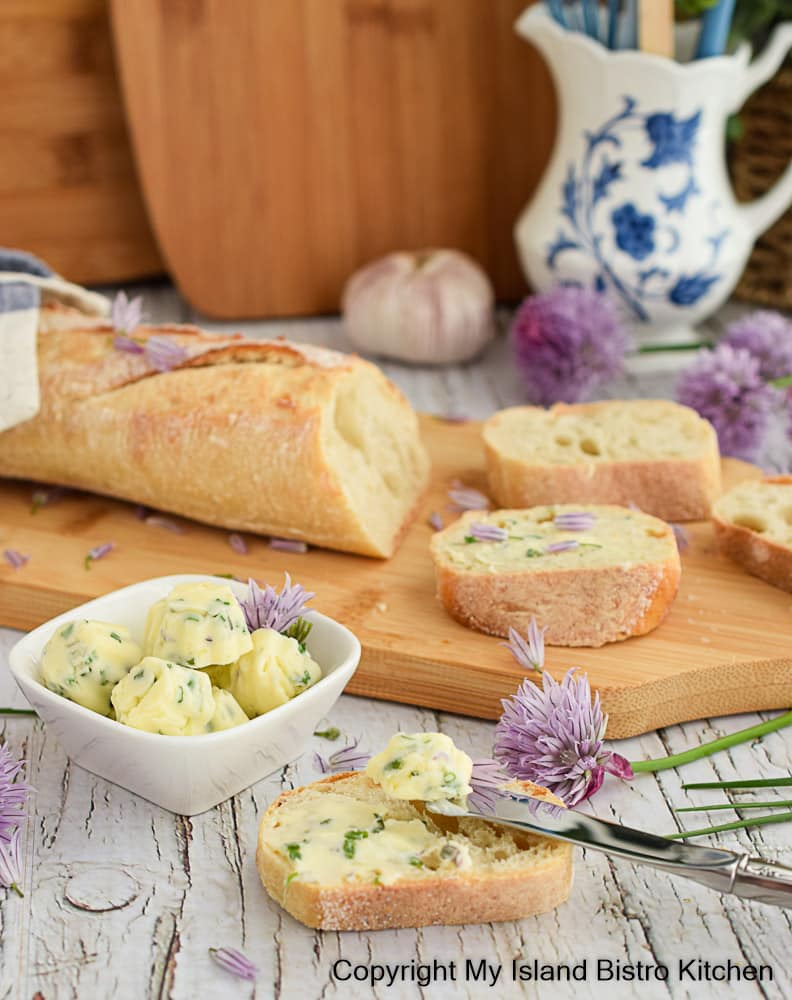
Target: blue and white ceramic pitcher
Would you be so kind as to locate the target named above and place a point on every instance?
(636, 198)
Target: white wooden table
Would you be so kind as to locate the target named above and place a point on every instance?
(122, 900)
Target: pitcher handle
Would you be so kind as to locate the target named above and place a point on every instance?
(763, 212)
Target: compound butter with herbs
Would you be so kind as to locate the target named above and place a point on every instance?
(158, 696)
(197, 625)
(423, 767)
(85, 659)
(275, 670)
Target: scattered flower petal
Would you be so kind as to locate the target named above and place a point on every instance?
(482, 532)
(266, 608)
(141, 512)
(553, 736)
(15, 559)
(158, 521)
(577, 520)
(13, 793)
(320, 763)
(288, 545)
(238, 543)
(42, 498)
(528, 653)
(98, 552)
(435, 521)
(126, 313)
(122, 342)
(164, 354)
(235, 962)
(466, 498)
(566, 546)
(681, 536)
(348, 758)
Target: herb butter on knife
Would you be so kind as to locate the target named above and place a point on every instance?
(422, 766)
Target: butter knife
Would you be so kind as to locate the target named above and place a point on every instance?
(724, 871)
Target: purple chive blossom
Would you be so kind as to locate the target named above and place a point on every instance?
(466, 498)
(566, 342)
(767, 336)
(724, 386)
(11, 862)
(435, 521)
(98, 552)
(288, 545)
(565, 546)
(238, 543)
(530, 652)
(487, 780)
(157, 521)
(13, 794)
(681, 536)
(553, 736)
(164, 354)
(15, 559)
(42, 498)
(235, 962)
(481, 532)
(269, 609)
(348, 758)
(122, 342)
(126, 313)
(574, 520)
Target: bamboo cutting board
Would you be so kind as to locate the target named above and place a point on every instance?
(725, 647)
(281, 144)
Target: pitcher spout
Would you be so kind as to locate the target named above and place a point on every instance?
(537, 27)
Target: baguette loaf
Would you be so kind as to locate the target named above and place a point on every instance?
(753, 526)
(341, 854)
(587, 587)
(263, 436)
(656, 454)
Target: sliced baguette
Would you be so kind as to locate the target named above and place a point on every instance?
(619, 581)
(659, 455)
(753, 526)
(510, 875)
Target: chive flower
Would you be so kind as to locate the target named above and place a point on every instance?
(235, 962)
(266, 608)
(528, 652)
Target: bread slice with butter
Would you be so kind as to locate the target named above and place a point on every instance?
(753, 526)
(341, 854)
(659, 455)
(616, 579)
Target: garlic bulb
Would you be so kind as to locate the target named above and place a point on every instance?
(430, 307)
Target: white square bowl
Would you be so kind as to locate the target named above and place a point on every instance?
(185, 774)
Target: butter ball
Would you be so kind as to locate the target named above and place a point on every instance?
(159, 696)
(273, 672)
(197, 625)
(422, 766)
(227, 713)
(85, 659)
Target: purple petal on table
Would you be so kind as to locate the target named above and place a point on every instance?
(98, 552)
(238, 543)
(288, 545)
(466, 498)
(164, 354)
(235, 962)
(435, 521)
(15, 559)
(122, 342)
(157, 521)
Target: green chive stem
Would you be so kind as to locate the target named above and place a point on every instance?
(781, 383)
(737, 825)
(742, 783)
(706, 749)
(15, 888)
(785, 803)
(17, 711)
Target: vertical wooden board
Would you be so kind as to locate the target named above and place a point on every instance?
(68, 189)
(283, 144)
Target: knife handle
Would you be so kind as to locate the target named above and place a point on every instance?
(763, 881)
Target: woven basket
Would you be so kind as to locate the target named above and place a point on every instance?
(756, 161)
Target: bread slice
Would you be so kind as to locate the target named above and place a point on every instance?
(659, 455)
(618, 580)
(504, 874)
(753, 526)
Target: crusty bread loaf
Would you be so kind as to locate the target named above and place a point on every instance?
(507, 875)
(264, 436)
(659, 455)
(753, 526)
(619, 580)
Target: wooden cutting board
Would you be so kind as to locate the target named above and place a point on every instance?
(282, 144)
(725, 647)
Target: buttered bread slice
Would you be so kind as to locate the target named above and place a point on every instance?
(753, 526)
(659, 455)
(589, 574)
(342, 854)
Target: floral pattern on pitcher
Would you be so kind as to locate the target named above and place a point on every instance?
(633, 246)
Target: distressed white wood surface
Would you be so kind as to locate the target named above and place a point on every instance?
(123, 900)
